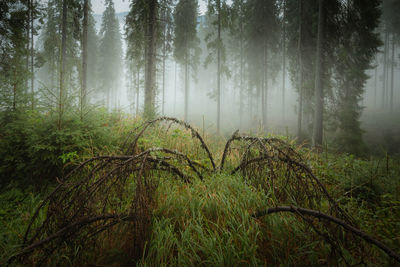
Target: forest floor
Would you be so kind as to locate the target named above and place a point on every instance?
(161, 193)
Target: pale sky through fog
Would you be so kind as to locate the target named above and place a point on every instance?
(123, 6)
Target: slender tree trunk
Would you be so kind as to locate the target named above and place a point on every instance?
(241, 77)
(108, 99)
(186, 88)
(84, 54)
(163, 63)
(300, 77)
(319, 98)
(283, 60)
(385, 69)
(264, 85)
(376, 81)
(392, 74)
(150, 74)
(32, 56)
(28, 38)
(15, 89)
(175, 85)
(219, 69)
(250, 101)
(137, 89)
(63, 55)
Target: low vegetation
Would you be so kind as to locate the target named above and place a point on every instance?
(160, 193)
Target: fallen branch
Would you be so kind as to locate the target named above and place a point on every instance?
(61, 232)
(320, 215)
(195, 133)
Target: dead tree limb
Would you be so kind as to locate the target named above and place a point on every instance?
(195, 133)
(70, 227)
(320, 215)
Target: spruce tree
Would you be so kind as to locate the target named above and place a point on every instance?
(218, 13)
(238, 34)
(14, 72)
(356, 52)
(186, 42)
(110, 55)
(263, 41)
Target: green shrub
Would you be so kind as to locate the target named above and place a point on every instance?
(34, 151)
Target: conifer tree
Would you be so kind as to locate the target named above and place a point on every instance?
(186, 42)
(218, 13)
(143, 29)
(356, 51)
(263, 41)
(110, 54)
(238, 34)
(14, 25)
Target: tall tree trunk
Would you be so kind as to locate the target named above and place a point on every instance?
(283, 60)
(28, 38)
(163, 62)
(385, 68)
(175, 87)
(32, 55)
(300, 77)
(14, 103)
(63, 55)
(137, 89)
(84, 54)
(219, 69)
(319, 97)
(150, 73)
(264, 87)
(241, 77)
(376, 80)
(392, 74)
(186, 87)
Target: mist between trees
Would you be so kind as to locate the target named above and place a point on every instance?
(325, 72)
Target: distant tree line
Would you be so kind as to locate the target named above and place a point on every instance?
(52, 57)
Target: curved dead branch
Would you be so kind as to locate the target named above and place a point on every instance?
(320, 215)
(61, 232)
(195, 133)
(226, 149)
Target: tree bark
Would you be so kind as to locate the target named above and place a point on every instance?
(319, 98)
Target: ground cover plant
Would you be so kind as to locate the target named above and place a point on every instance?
(170, 196)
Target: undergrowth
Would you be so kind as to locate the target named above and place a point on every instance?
(200, 214)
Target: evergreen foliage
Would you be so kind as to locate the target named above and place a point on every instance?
(110, 56)
(186, 42)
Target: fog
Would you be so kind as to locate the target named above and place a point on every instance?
(261, 79)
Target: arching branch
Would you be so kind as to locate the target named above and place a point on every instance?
(320, 215)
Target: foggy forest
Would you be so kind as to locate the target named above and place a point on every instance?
(199, 132)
